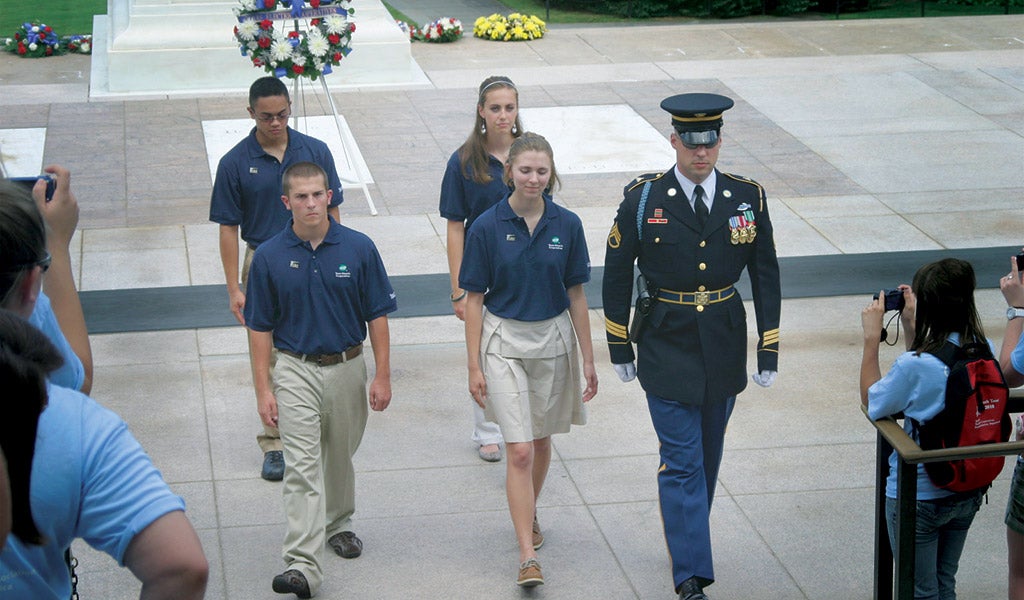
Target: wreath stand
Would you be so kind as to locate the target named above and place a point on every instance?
(350, 165)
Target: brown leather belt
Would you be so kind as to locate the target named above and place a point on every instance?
(326, 360)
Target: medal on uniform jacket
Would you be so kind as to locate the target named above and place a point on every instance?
(742, 228)
(734, 230)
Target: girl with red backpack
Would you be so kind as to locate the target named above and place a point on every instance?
(939, 308)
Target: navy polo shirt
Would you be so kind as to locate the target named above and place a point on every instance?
(525, 277)
(317, 301)
(464, 199)
(247, 188)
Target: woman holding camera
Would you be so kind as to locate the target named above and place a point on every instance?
(939, 308)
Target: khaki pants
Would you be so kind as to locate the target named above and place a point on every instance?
(322, 414)
(270, 439)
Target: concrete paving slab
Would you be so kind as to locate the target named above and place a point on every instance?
(23, 151)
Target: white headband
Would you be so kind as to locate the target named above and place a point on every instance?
(497, 82)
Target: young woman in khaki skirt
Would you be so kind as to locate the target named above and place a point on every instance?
(524, 267)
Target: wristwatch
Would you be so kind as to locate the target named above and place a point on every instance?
(1014, 312)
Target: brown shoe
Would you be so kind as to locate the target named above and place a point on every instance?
(292, 582)
(346, 544)
(529, 573)
(538, 537)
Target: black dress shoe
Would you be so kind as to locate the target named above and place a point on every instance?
(692, 590)
(346, 544)
(273, 466)
(292, 582)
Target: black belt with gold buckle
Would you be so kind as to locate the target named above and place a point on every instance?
(696, 298)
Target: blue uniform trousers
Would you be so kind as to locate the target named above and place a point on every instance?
(691, 440)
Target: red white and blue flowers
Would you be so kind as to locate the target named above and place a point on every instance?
(310, 53)
(409, 30)
(34, 40)
(445, 29)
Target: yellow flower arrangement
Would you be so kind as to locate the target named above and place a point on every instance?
(512, 28)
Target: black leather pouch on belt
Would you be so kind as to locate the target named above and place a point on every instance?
(641, 310)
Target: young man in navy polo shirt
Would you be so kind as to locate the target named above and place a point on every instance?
(246, 195)
(314, 289)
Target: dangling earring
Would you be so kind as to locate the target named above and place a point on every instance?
(514, 129)
(483, 128)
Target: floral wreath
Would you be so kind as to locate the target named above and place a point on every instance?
(443, 30)
(409, 30)
(512, 28)
(80, 44)
(37, 40)
(310, 53)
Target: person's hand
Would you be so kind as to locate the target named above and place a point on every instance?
(1012, 287)
(764, 378)
(909, 312)
(380, 393)
(871, 319)
(478, 387)
(266, 405)
(625, 371)
(590, 376)
(236, 301)
(60, 212)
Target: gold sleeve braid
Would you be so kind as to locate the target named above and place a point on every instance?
(615, 330)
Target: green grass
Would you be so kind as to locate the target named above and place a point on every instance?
(66, 17)
(400, 16)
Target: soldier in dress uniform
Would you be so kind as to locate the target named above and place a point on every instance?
(691, 230)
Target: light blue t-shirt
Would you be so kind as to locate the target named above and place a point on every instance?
(915, 386)
(71, 374)
(1017, 357)
(90, 479)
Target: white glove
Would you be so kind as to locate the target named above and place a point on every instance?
(764, 378)
(626, 371)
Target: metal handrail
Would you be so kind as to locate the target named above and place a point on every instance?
(895, 574)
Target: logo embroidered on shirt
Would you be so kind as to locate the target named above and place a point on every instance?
(342, 271)
(253, 170)
(293, 264)
(510, 237)
(556, 244)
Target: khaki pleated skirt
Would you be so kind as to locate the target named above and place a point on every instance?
(534, 386)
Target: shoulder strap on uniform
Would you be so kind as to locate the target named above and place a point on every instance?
(640, 211)
(760, 190)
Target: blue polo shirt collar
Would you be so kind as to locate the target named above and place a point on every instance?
(334, 234)
(255, 150)
(505, 213)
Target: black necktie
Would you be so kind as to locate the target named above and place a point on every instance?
(699, 206)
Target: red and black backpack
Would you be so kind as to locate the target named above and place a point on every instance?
(975, 413)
